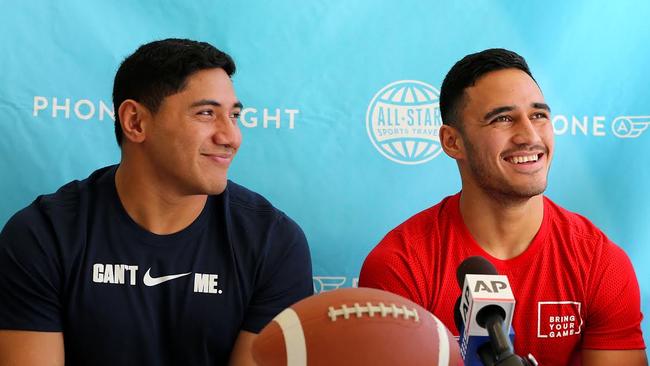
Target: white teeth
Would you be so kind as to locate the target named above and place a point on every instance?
(523, 159)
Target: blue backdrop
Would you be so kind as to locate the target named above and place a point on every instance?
(322, 81)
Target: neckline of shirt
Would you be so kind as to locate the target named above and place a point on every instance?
(523, 259)
(146, 237)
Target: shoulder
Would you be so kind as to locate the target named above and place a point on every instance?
(571, 222)
(416, 237)
(56, 210)
(584, 241)
(39, 247)
(77, 192)
(607, 280)
(402, 261)
(271, 240)
(253, 214)
(425, 225)
(578, 231)
(243, 198)
(250, 206)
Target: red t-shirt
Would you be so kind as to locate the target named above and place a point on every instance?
(573, 287)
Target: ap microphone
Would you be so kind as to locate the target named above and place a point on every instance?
(483, 315)
(471, 265)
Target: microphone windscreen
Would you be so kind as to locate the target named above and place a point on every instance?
(458, 318)
(474, 265)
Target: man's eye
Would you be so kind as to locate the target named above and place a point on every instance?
(235, 115)
(205, 113)
(540, 115)
(502, 119)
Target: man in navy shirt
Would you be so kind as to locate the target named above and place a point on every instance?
(160, 259)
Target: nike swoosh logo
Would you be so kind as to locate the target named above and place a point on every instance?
(153, 281)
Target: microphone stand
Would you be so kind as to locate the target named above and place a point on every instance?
(499, 351)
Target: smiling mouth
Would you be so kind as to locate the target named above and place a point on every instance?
(222, 159)
(220, 156)
(524, 158)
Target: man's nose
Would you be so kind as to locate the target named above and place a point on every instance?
(526, 133)
(227, 132)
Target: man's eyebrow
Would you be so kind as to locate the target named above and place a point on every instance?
(541, 106)
(498, 110)
(508, 108)
(214, 103)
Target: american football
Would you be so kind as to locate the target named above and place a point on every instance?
(355, 326)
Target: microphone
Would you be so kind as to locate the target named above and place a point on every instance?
(483, 315)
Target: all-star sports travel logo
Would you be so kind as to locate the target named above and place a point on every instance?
(403, 120)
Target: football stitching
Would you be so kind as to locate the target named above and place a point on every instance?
(371, 310)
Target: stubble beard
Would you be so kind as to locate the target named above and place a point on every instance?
(497, 187)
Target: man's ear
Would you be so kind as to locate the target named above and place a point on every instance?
(451, 141)
(133, 119)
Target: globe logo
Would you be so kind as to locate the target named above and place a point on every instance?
(403, 120)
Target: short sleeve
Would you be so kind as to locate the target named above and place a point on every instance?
(613, 320)
(285, 275)
(390, 266)
(29, 275)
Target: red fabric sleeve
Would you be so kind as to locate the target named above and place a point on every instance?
(613, 320)
(391, 266)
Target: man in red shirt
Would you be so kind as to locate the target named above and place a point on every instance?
(576, 291)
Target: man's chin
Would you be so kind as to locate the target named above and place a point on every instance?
(514, 194)
(216, 189)
(527, 192)
(212, 186)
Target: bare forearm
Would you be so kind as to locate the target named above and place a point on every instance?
(26, 348)
(607, 357)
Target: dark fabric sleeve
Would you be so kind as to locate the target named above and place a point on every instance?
(29, 275)
(285, 275)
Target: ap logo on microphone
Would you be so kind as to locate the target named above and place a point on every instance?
(557, 319)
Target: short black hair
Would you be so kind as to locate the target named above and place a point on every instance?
(466, 72)
(159, 69)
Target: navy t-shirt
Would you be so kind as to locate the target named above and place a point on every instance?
(74, 261)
